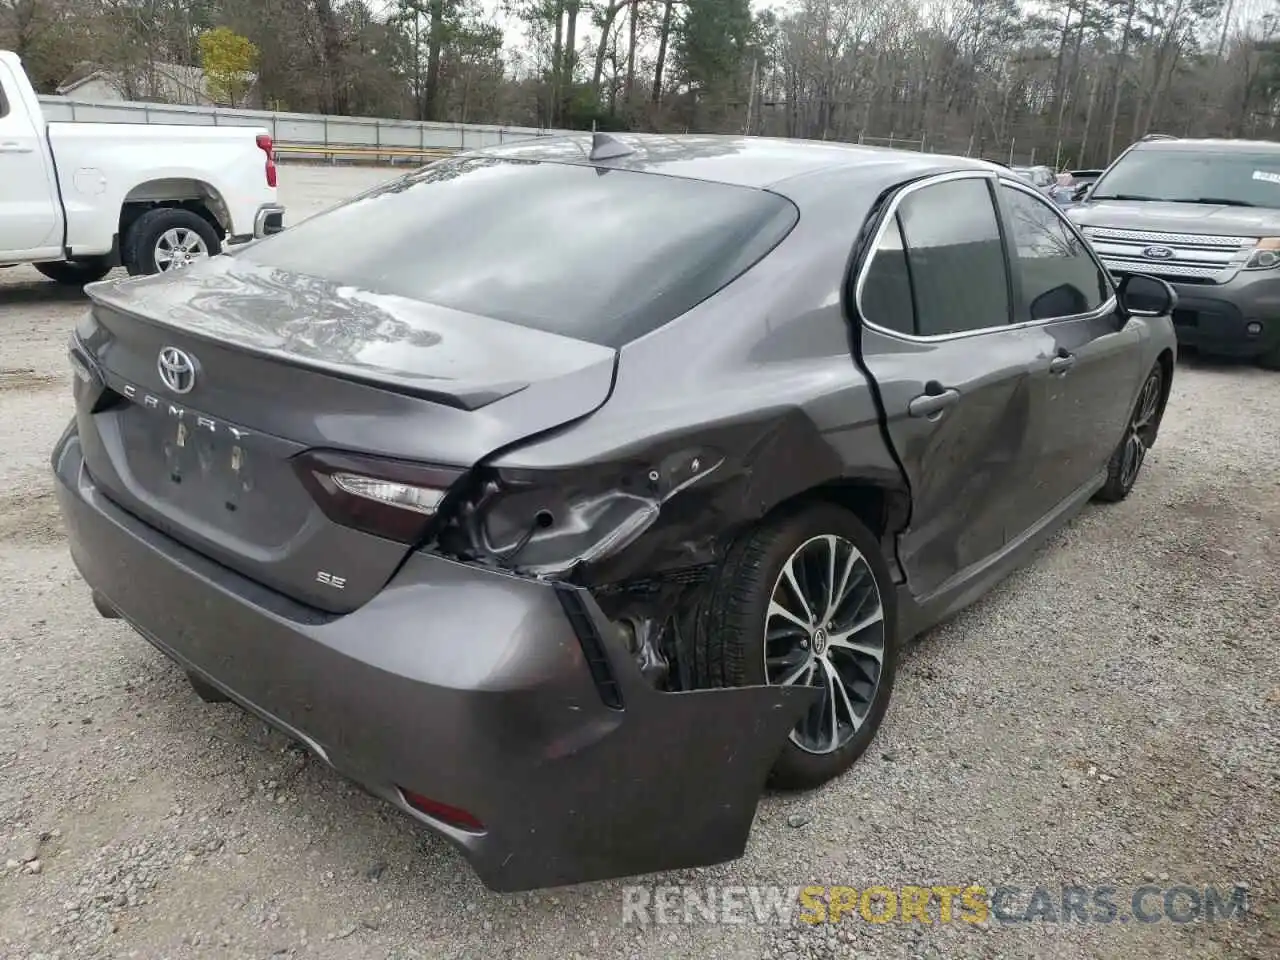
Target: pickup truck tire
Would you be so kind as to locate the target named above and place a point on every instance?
(762, 570)
(75, 273)
(153, 232)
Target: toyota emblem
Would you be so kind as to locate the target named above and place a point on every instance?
(177, 369)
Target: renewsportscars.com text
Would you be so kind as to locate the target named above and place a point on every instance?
(934, 904)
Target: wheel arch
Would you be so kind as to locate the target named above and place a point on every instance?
(189, 193)
(1165, 361)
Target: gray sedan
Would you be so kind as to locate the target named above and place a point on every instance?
(563, 494)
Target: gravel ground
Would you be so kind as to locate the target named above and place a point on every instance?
(1109, 715)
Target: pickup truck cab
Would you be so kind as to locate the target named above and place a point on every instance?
(77, 199)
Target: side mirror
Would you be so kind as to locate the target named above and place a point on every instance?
(1142, 296)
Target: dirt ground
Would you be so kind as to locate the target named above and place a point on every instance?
(1110, 715)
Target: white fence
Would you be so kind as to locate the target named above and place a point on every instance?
(330, 136)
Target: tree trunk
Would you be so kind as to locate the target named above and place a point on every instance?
(610, 14)
(1115, 82)
(631, 49)
(557, 47)
(570, 56)
(435, 41)
(664, 37)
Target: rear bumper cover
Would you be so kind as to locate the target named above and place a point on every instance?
(465, 685)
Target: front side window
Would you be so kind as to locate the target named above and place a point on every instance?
(956, 257)
(1059, 276)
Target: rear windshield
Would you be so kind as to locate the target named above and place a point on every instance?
(603, 256)
(1194, 176)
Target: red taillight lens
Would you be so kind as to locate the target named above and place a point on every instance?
(267, 147)
(395, 499)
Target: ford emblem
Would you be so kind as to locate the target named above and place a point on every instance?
(1157, 253)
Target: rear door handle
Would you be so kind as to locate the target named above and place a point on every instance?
(1062, 363)
(14, 147)
(932, 404)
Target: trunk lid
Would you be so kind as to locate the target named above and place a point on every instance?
(281, 363)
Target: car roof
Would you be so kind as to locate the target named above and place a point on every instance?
(743, 161)
(1234, 146)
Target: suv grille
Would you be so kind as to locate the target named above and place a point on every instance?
(1199, 259)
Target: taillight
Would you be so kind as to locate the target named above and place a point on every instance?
(395, 499)
(267, 147)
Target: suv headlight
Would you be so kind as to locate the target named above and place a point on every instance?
(1265, 256)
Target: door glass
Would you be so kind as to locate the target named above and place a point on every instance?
(886, 290)
(1059, 276)
(957, 260)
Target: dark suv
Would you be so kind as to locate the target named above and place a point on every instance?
(1204, 215)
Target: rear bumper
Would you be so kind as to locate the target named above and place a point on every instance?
(269, 220)
(464, 685)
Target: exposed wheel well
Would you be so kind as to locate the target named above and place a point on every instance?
(194, 195)
(882, 510)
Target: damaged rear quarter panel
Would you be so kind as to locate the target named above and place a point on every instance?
(759, 380)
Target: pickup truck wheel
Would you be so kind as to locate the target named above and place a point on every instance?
(169, 238)
(75, 273)
(807, 599)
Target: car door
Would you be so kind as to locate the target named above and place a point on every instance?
(28, 205)
(1068, 299)
(956, 379)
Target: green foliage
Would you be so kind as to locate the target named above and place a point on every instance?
(229, 61)
(711, 42)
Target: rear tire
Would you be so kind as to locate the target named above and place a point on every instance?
(759, 575)
(158, 233)
(75, 273)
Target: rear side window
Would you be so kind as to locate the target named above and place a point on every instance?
(956, 257)
(601, 256)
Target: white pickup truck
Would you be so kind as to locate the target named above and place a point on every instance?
(77, 199)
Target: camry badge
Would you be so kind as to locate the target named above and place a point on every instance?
(177, 369)
(1157, 253)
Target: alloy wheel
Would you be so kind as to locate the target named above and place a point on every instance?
(1141, 429)
(179, 247)
(825, 628)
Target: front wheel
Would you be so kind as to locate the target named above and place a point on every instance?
(169, 238)
(807, 599)
(75, 273)
(1139, 436)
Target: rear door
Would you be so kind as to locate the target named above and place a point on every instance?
(29, 219)
(957, 379)
(1067, 297)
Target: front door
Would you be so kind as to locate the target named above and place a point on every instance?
(958, 382)
(28, 206)
(1067, 295)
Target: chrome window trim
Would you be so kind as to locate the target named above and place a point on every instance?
(991, 177)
